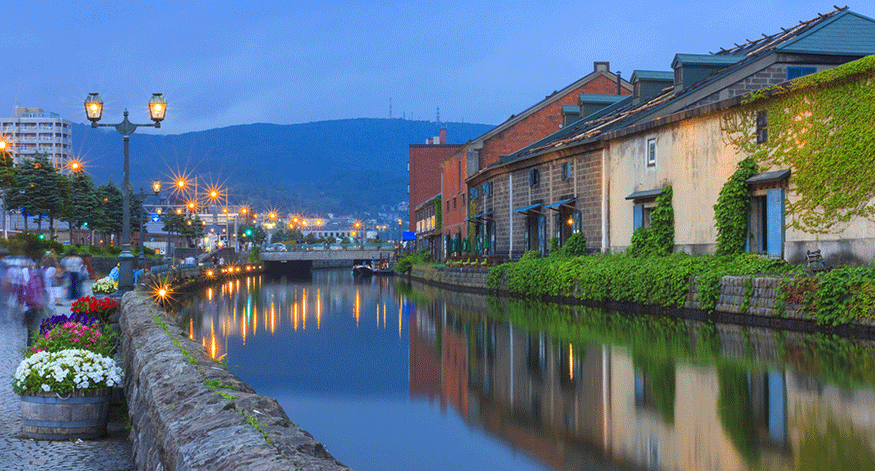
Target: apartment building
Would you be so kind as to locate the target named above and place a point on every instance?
(35, 131)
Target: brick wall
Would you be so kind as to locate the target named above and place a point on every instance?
(541, 123)
(425, 177)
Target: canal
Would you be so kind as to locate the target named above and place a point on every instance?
(397, 376)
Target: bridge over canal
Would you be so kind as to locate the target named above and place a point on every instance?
(300, 262)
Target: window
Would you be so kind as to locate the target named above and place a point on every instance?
(473, 193)
(566, 170)
(762, 127)
(454, 203)
(487, 188)
(448, 205)
(641, 215)
(651, 152)
(534, 177)
(796, 72)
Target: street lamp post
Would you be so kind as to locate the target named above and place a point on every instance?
(94, 110)
(142, 263)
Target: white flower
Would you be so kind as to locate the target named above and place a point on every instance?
(65, 370)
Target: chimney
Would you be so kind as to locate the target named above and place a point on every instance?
(619, 91)
(443, 136)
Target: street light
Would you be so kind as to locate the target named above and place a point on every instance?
(94, 111)
(156, 188)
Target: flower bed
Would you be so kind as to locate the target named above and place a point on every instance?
(104, 285)
(95, 338)
(102, 308)
(63, 371)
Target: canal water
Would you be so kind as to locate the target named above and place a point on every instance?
(396, 376)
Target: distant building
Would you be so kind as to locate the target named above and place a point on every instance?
(424, 168)
(34, 131)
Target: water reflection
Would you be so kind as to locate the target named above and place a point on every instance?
(572, 388)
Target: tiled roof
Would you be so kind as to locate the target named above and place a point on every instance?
(705, 59)
(825, 31)
(653, 75)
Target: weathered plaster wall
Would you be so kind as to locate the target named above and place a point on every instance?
(179, 423)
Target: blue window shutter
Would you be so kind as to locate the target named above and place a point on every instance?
(577, 227)
(542, 233)
(528, 233)
(775, 222)
(637, 216)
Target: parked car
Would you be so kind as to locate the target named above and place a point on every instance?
(276, 247)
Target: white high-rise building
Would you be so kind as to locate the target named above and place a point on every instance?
(34, 131)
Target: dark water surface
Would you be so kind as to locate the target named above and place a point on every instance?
(392, 376)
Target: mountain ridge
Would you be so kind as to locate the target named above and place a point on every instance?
(343, 165)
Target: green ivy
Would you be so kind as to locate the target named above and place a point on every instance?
(438, 214)
(820, 126)
(732, 210)
(658, 238)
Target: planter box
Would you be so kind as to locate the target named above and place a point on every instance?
(82, 414)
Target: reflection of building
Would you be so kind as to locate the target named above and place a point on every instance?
(573, 407)
(34, 131)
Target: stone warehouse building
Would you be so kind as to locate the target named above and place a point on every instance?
(598, 88)
(601, 174)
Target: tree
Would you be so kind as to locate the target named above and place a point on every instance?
(38, 186)
(7, 179)
(109, 215)
(81, 202)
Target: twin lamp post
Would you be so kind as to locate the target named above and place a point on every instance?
(94, 111)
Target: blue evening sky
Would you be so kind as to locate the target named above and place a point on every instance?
(222, 63)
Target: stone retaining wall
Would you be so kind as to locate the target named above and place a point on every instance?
(179, 421)
(743, 300)
(464, 279)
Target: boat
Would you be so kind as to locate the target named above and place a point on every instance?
(362, 271)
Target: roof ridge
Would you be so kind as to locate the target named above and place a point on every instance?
(767, 41)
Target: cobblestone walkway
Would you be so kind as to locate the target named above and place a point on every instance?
(110, 453)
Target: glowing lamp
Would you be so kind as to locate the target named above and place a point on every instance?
(157, 107)
(93, 107)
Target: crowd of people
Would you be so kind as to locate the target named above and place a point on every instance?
(36, 285)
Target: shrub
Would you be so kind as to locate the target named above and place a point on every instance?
(575, 246)
(554, 245)
(113, 250)
(407, 261)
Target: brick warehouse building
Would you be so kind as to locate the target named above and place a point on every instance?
(558, 109)
(423, 167)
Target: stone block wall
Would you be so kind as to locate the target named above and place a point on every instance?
(465, 279)
(179, 421)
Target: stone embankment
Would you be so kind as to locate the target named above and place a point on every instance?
(745, 300)
(188, 412)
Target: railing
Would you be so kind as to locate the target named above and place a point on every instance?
(382, 246)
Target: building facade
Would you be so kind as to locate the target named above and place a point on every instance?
(669, 132)
(423, 168)
(469, 208)
(34, 131)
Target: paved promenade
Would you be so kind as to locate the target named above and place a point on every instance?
(16, 453)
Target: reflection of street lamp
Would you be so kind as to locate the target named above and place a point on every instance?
(94, 111)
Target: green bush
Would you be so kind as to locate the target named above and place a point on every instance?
(646, 280)
(94, 250)
(253, 255)
(113, 250)
(554, 245)
(27, 244)
(575, 246)
(416, 258)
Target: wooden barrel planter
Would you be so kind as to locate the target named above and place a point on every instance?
(81, 414)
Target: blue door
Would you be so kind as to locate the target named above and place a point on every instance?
(775, 222)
